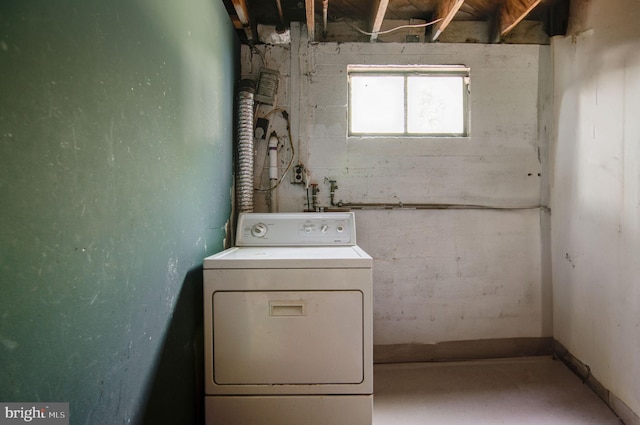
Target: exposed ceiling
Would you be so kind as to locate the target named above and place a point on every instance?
(368, 20)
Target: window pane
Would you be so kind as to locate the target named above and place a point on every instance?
(377, 104)
(435, 104)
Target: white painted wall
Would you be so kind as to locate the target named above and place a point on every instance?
(439, 275)
(596, 193)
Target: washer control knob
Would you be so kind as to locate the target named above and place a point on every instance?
(308, 229)
(324, 228)
(340, 228)
(259, 230)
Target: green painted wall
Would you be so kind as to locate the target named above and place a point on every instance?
(116, 134)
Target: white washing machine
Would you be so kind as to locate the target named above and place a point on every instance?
(288, 324)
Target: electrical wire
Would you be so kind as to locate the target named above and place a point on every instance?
(392, 29)
(257, 51)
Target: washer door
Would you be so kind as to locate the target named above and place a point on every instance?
(288, 337)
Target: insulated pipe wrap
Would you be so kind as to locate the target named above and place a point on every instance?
(245, 146)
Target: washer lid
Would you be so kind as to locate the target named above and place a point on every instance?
(301, 257)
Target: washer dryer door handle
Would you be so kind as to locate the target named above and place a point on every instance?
(287, 308)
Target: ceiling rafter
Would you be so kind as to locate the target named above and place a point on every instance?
(242, 11)
(236, 22)
(310, 6)
(352, 18)
(325, 17)
(445, 12)
(512, 12)
(379, 10)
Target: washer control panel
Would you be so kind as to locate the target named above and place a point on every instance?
(296, 229)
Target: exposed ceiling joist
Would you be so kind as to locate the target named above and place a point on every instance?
(310, 14)
(351, 18)
(514, 11)
(236, 22)
(325, 17)
(379, 10)
(242, 11)
(446, 10)
(280, 14)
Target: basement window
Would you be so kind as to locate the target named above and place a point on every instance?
(408, 100)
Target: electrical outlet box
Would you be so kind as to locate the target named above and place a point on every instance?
(299, 175)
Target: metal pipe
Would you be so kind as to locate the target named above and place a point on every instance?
(400, 205)
(273, 171)
(332, 192)
(314, 196)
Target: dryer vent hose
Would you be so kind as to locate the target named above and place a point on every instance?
(245, 146)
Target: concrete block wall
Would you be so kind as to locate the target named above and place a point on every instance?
(443, 274)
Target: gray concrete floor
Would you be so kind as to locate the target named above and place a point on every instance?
(523, 391)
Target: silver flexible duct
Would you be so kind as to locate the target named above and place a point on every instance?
(245, 146)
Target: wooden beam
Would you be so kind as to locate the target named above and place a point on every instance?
(243, 16)
(310, 6)
(325, 17)
(236, 22)
(512, 12)
(447, 9)
(379, 10)
(494, 26)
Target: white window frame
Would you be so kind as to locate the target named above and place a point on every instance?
(407, 71)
